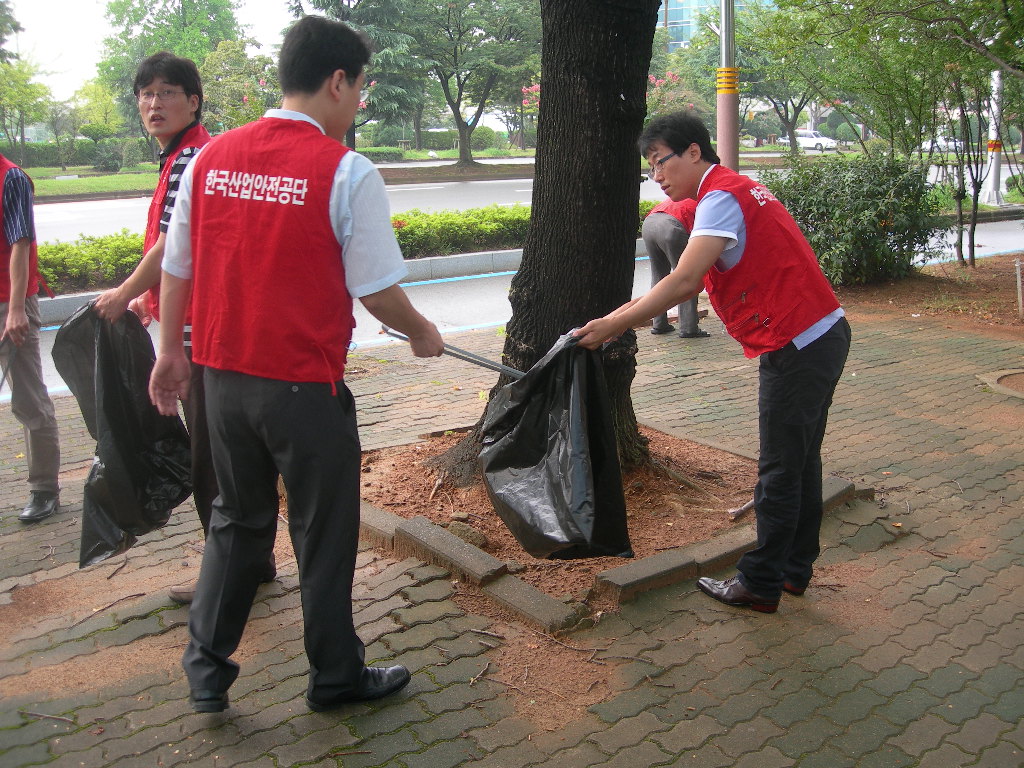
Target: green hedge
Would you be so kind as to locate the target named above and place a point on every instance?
(868, 218)
(382, 154)
(90, 263)
(94, 263)
(86, 152)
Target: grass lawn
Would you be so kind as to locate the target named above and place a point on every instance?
(140, 179)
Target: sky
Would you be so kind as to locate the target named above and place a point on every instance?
(64, 38)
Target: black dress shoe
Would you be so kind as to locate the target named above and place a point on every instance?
(732, 592)
(269, 571)
(698, 334)
(658, 330)
(375, 683)
(208, 701)
(793, 589)
(40, 506)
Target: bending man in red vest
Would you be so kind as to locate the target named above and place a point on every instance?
(278, 226)
(666, 230)
(19, 342)
(170, 97)
(768, 290)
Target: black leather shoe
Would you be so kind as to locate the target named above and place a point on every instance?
(41, 505)
(376, 683)
(208, 701)
(270, 571)
(658, 330)
(732, 592)
(793, 589)
(698, 334)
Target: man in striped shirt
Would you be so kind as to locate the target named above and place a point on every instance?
(19, 342)
(170, 97)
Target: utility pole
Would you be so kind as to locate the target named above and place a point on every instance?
(991, 192)
(728, 87)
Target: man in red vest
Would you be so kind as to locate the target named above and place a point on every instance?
(170, 97)
(666, 230)
(19, 342)
(767, 288)
(277, 228)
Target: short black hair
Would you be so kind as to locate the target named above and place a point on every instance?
(175, 70)
(314, 48)
(677, 131)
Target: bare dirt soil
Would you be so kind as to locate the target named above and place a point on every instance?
(662, 512)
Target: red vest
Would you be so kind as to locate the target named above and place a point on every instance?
(196, 136)
(777, 290)
(683, 210)
(32, 288)
(269, 296)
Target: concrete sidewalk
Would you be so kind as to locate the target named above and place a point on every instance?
(905, 651)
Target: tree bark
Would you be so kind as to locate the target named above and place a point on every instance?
(579, 252)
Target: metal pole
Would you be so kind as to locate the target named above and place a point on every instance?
(1020, 292)
(727, 82)
(992, 193)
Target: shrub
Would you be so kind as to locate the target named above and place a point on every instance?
(868, 218)
(109, 158)
(1015, 183)
(382, 154)
(90, 263)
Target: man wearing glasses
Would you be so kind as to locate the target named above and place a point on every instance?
(767, 288)
(170, 97)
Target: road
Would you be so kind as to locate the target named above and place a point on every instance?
(63, 222)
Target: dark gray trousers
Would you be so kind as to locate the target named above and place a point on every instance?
(665, 238)
(260, 428)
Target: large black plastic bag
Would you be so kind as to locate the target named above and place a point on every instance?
(549, 460)
(141, 469)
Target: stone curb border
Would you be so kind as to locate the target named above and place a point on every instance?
(992, 380)
(418, 537)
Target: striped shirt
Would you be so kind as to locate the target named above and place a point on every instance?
(173, 182)
(18, 219)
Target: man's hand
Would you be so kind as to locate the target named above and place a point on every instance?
(169, 382)
(110, 305)
(143, 307)
(17, 326)
(428, 343)
(597, 332)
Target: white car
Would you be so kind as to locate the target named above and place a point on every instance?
(942, 144)
(811, 140)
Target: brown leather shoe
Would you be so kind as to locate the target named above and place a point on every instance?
(793, 589)
(732, 592)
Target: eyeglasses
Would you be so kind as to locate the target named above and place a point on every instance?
(166, 94)
(653, 171)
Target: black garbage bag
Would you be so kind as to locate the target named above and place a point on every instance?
(549, 459)
(142, 466)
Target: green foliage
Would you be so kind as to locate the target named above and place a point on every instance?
(96, 131)
(382, 154)
(237, 88)
(108, 157)
(90, 263)
(869, 219)
(478, 229)
(1015, 183)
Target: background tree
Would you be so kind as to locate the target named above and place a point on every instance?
(64, 121)
(8, 26)
(188, 28)
(22, 102)
(580, 247)
(97, 106)
(237, 88)
(990, 29)
(469, 47)
(400, 78)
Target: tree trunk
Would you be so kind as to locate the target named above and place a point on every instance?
(579, 252)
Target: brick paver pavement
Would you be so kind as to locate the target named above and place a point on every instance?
(905, 651)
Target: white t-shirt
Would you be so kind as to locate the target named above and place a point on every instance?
(360, 217)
